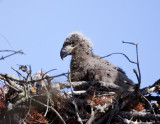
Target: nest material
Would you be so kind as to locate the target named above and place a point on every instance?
(41, 101)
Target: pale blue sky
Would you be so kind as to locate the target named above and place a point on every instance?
(39, 27)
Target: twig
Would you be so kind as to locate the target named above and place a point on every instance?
(50, 108)
(48, 99)
(29, 72)
(153, 88)
(9, 85)
(92, 117)
(48, 72)
(121, 54)
(91, 83)
(9, 51)
(139, 81)
(31, 81)
(139, 115)
(134, 70)
(149, 104)
(18, 73)
(47, 107)
(127, 121)
(77, 92)
(129, 43)
(28, 110)
(15, 52)
(73, 100)
(137, 63)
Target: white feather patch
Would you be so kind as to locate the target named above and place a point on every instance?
(82, 37)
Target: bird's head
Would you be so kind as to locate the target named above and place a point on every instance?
(76, 41)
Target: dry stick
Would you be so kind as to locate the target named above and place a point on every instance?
(18, 73)
(92, 117)
(22, 81)
(75, 105)
(129, 43)
(10, 51)
(16, 52)
(149, 104)
(47, 107)
(50, 108)
(48, 72)
(139, 79)
(93, 113)
(151, 88)
(9, 85)
(134, 70)
(29, 73)
(139, 115)
(137, 63)
(28, 110)
(121, 54)
(48, 99)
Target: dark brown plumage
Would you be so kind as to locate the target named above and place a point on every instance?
(85, 66)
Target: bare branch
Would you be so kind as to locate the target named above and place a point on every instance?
(91, 83)
(149, 104)
(14, 52)
(18, 73)
(139, 115)
(153, 88)
(137, 63)
(48, 72)
(50, 108)
(129, 43)
(30, 81)
(73, 100)
(139, 79)
(121, 54)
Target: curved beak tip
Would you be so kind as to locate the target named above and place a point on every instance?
(63, 54)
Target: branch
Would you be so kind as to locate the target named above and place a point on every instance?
(74, 103)
(149, 104)
(121, 54)
(18, 73)
(92, 117)
(139, 115)
(50, 108)
(14, 52)
(152, 88)
(2, 76)
(48, 72)
(91, 83)
(139, 72)
(129, 43)
(137, 63)
(127, 121)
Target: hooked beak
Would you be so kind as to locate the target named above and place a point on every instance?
(66, 51)
(63, 53)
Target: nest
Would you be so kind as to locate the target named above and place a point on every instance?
(37, 99)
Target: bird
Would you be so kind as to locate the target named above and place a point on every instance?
(86, 66)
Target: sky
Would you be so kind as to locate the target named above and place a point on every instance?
(39, 28)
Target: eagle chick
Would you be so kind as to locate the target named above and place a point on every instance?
(85, 66)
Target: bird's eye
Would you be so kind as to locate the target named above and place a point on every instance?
(72, 43)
